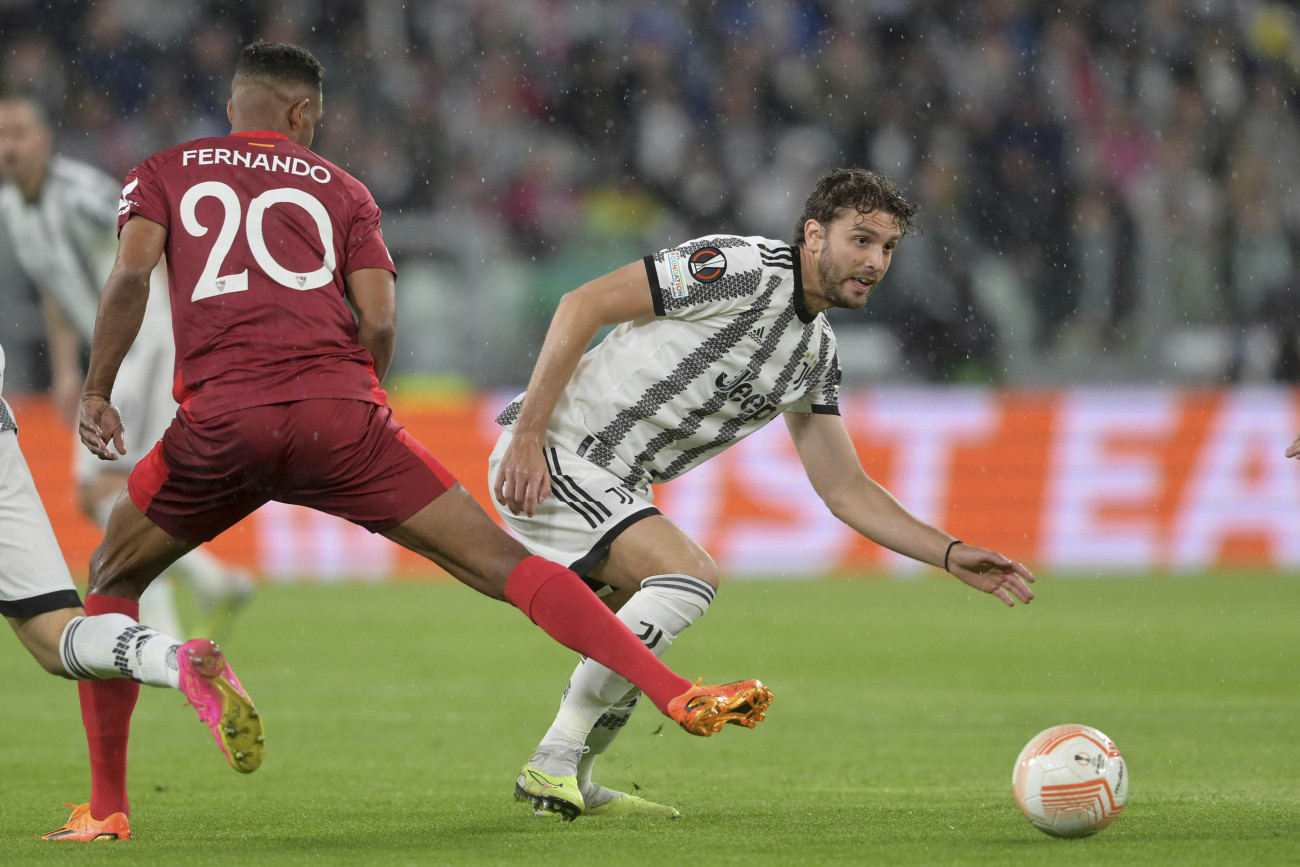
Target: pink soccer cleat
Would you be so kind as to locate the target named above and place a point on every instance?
(212, 688)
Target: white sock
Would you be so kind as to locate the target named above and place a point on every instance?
(103, 509)
(602, 734)
(158, 606)
(158, 601)
(657, 613)
(211, 579)
(114, 645)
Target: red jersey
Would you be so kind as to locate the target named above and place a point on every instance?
(261, 233)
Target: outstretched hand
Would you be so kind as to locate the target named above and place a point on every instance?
(100, 426)
(1293, 450)
(991, 572)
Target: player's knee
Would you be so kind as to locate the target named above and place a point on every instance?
(707, 570)
(107, 570)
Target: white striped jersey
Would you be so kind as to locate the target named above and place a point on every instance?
(730, 347)
(66, 241)
(6, 414)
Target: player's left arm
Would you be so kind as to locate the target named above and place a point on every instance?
(373, 295)
(64, 350)
(121, 310)
(836, 474)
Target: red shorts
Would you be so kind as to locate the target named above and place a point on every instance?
(344, 457)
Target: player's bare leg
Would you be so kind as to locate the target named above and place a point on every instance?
(41, 634)
(219, 590)
(454, 532)
(134, 551)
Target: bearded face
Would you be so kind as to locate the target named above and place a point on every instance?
(854, 253)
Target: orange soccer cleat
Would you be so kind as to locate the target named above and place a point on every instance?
(82, 827)
(704, 710)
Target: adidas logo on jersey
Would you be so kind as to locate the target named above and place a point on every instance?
(757, 333)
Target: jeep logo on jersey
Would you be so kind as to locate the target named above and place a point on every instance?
(707, 264)
(753, 407)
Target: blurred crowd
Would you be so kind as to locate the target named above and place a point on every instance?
(1109, 189)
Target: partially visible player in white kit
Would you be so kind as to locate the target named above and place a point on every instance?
(62, 215)
(714, 339)
(39, 600)
(37, 595)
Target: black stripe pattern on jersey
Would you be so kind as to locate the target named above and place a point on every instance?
(569, 492)
(728, 431)
(689, 369)
(696, 416)
(510, 413)
(830, 391)
(777, 257)
(737, 285)
(6, 420)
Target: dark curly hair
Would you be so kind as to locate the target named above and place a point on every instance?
(862, 190)
(281, 62)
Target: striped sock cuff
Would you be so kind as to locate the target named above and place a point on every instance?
(68, 656)
(684, 583)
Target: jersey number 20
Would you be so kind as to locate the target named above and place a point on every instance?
(211, 282)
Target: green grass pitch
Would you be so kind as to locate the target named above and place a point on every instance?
(397, 716)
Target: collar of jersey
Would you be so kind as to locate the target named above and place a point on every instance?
(261, 133)
(800, 309)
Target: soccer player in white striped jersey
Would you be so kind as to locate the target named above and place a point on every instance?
(62, 216)
(714, 339)
(41, 604)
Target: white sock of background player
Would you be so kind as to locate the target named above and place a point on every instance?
(158, 601)
(210, 579)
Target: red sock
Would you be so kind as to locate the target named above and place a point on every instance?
(106, 707)
(558, 601)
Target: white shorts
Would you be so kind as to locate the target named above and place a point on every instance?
(34, 578)
(587, 509)
(142, 393)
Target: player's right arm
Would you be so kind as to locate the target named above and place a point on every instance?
(373, 295)
(121, 310)
(522, 479)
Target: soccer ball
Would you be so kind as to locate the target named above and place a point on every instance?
(1070, 781)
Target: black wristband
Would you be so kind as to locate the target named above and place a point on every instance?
(953, 544)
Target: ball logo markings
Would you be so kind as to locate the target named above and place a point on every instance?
(1070, 781)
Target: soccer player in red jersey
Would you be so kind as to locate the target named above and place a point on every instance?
(283, 310)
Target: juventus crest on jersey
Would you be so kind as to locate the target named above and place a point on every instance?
(730, 347)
